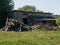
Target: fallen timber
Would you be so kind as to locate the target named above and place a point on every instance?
(16, 25)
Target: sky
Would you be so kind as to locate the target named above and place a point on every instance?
(42, 5)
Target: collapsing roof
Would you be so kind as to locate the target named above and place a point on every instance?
(39, 18)
(32, 12)
(34, 15)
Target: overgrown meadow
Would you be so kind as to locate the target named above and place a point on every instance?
(30, 38)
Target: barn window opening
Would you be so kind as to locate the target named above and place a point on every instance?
(25, 21)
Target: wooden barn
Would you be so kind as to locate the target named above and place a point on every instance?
(30, 18)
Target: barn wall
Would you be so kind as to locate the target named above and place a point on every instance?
(50, 22)
(21, 15)
(30, 22)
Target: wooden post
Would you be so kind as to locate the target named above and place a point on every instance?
(19, 21)
(6, 27)
(20, 28)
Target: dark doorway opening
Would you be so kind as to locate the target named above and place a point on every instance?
(25, 20)
(44, 22)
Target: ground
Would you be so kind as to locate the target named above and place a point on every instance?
(30, 38)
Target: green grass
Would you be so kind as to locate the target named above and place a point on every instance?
(30, 38)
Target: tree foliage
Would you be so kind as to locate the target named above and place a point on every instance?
(5, 7)
(58, 21)
(28, 8)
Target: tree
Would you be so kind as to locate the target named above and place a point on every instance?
(58, 21)
(5, 7)
(39, 11)
(28, 8)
